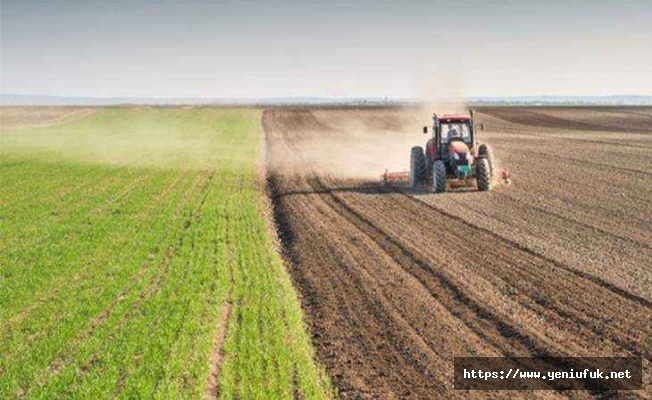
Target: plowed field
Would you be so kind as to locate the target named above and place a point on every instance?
(397, 282)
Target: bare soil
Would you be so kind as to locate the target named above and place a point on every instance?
(397, 282)
(212, 386)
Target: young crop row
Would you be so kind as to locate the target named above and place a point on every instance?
(124, 237)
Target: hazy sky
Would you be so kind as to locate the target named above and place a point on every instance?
(331, 48)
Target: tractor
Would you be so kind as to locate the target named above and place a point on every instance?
(452, 156)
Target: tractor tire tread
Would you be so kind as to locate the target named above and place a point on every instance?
(483, 174)
(439, 176)
(417, 166)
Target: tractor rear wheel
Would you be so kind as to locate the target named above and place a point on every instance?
(417, 166)
(487, 152)
(439, 176)
(483, 174)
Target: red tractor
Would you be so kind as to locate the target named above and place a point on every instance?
(452, 156)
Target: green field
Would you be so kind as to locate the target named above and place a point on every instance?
(126, 236)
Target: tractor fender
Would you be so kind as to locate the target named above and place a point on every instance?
(482, 149)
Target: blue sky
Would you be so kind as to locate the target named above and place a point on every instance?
(328, 49)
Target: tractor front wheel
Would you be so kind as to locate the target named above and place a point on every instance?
(417, 166)
(439, 176)
(483, 174)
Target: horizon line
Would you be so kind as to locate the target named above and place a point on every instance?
(386, 98)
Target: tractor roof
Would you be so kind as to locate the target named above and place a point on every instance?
(454, 118)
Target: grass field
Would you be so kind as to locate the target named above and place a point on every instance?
(128, 238)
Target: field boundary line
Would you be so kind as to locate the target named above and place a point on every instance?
(268, 207)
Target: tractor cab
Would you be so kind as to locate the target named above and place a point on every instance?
(451, 131)
(448, 129)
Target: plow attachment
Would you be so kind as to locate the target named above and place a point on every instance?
(402, 177)
(389, 178)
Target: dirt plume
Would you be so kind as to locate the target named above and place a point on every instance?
(440, 87)
(349, 145)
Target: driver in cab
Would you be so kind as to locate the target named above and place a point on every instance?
(452, 132)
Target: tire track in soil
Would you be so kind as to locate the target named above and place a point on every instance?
(582, 224)
(444, 290)
(350, 287)
(596, 280)
(212, 385)
(394, 288)
(501, 324)
(584, 163)
(567, 284)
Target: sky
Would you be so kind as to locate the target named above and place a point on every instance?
(312, 48)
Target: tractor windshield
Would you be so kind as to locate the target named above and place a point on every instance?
(455, 130)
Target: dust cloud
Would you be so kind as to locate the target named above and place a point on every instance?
(439, 84)
(362, 143)
(348, 143)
